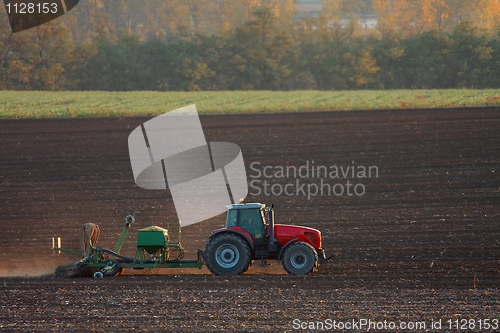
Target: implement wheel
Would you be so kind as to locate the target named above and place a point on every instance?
(112, 268)
(227, 254)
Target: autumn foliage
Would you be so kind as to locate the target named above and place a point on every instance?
(190, 45)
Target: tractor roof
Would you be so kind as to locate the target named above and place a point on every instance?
(245, 206)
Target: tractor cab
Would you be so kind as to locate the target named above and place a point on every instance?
(249, 217)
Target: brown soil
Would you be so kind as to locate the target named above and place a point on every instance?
(411, 248)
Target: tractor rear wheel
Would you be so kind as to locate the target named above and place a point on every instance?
(227, 254)
(300, 258)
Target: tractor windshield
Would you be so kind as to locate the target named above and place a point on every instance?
(251, 220)
(265, 218)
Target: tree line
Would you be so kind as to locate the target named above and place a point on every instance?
(268, 49)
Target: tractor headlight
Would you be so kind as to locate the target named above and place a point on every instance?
(313, 238)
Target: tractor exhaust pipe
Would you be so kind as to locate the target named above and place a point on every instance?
(271, 224)
(272, 241)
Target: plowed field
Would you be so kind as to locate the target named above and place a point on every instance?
(421, 243)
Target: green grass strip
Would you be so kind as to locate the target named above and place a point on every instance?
(42, 104)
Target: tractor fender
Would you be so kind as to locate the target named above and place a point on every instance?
(237, 231)
(283, 249)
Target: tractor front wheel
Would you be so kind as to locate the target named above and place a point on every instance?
(300, 258)
(227, 254)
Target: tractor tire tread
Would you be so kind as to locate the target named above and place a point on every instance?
(245, 254)
(313, 255)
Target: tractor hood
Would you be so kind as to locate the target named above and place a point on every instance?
(285, 233)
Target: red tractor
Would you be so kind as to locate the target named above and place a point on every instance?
(250, 234)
